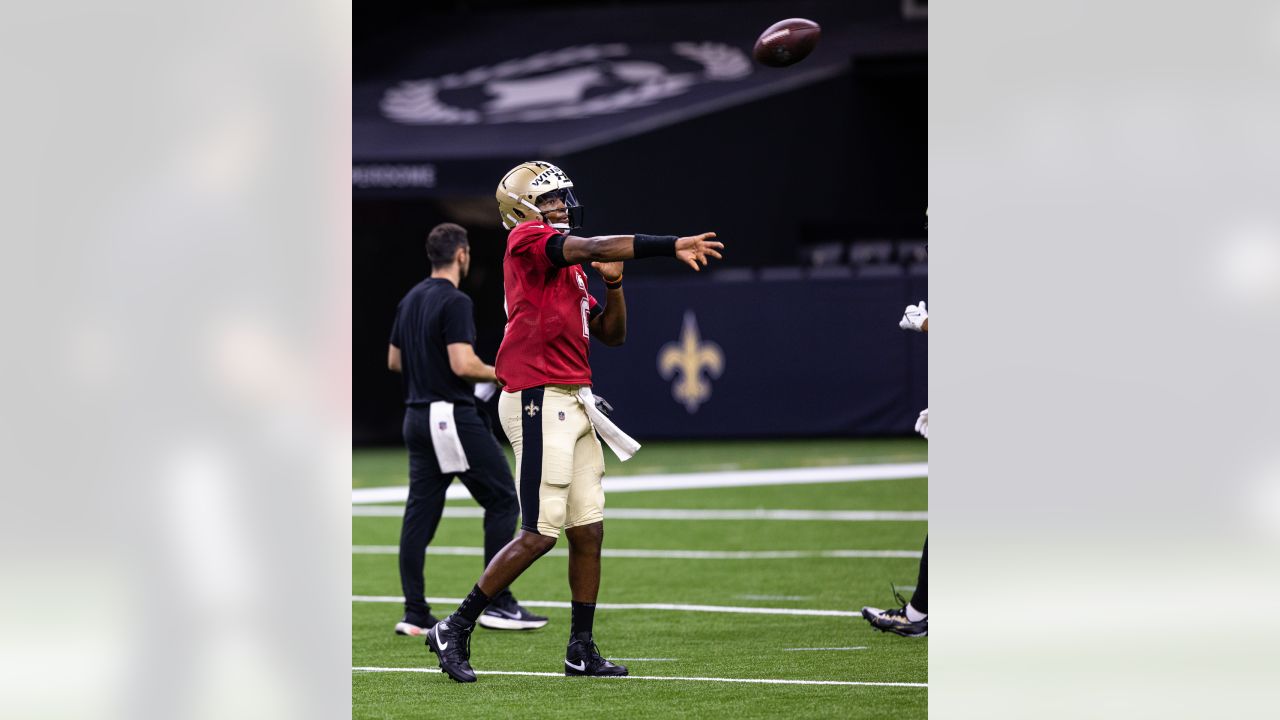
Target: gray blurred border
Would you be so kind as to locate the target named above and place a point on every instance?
(1105, 252)
(175, 384)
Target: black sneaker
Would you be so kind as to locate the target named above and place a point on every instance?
(504, 613)
(415, 627)
(895, 620)
(452, 644)
(583, 658)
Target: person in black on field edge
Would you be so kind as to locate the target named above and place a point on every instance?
(446, 433)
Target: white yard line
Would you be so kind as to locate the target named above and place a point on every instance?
(635, 606)
(817, 649)
(665, 554)
(396, 511)
(692, 481)
(761, 681)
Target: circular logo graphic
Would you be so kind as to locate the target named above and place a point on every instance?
(575, 82)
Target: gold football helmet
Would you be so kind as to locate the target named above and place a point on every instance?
(521, 187)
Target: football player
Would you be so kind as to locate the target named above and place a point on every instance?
(912, 619)
(547, 409)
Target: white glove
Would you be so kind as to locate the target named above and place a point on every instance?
(485, 390)
(922, 423)
(913, 318)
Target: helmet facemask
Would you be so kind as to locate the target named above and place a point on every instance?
(571, 205)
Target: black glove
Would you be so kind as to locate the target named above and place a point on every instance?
(603, 406)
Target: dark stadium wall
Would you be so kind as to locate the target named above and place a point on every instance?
(768, 176)
(388, 258)
(800, 358)
(840, 159)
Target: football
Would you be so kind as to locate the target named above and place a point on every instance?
(787, 42)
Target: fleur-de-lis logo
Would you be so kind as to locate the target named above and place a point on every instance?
(690, 357)
(531, 409)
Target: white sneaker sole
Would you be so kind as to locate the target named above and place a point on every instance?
(404, 628)
(499, 623)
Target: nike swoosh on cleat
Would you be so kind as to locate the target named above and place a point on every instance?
(443, 645)
(579, 667)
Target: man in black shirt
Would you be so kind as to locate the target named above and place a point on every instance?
(446, 434)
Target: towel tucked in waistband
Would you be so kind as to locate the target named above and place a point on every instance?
(622, 445)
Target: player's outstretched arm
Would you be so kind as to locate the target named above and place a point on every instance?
(693, 250)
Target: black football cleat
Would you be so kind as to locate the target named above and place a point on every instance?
(583, 658)
(452, 645)
(895, 620)
(504, 613)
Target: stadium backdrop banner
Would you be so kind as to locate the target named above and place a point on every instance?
(706, 359)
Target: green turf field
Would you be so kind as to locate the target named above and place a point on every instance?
(687, 642)
(375, 467)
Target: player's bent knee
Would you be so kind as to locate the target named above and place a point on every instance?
(549, 533)
(538, 542)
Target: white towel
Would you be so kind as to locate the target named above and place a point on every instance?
(622, 445)
(444, 438)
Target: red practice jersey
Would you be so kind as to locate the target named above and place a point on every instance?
(548, 339)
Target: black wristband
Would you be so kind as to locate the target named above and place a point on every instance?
(647, 246)
(615, 284)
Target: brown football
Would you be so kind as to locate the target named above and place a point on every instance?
(787, 42)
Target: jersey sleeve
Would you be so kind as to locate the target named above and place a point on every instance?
(529, 242)
(395, 330)
(458, 322)
(595, 309)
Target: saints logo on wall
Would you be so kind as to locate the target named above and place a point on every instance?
(686, 361)
(566, 84)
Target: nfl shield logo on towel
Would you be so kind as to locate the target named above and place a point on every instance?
(561, 414)
(444, 426)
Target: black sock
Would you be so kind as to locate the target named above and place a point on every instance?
(475, 604)
(920, 598)
(583, 615)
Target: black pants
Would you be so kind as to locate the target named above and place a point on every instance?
(920, 598)
(489, 481)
